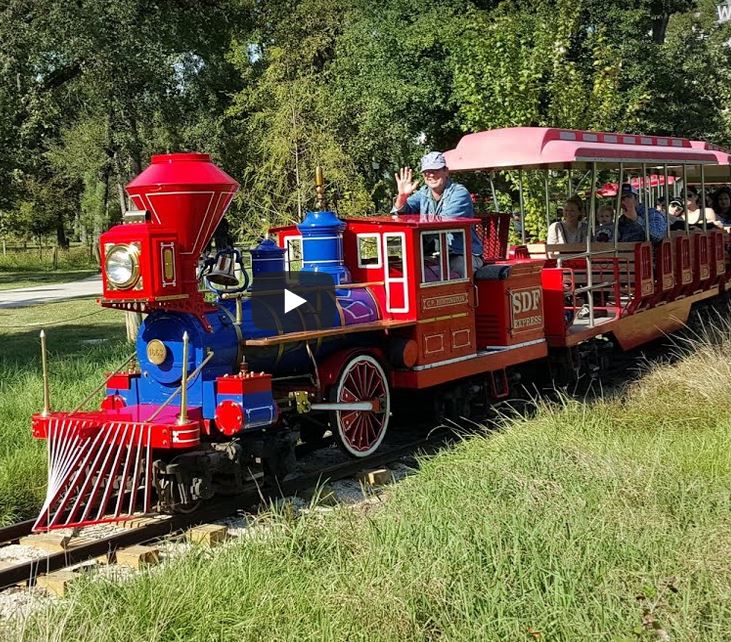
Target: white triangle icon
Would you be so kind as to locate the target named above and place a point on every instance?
(292, 301)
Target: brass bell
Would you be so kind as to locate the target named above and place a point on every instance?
(223, 273)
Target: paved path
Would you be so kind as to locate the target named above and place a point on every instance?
(22, 297)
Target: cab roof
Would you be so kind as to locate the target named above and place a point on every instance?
(411, 220)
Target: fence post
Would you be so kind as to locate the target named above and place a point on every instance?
(55, 258)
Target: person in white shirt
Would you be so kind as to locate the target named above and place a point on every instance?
(573, 227)
(695, 214)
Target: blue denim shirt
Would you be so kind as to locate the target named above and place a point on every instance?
(658, 223)
(455, 202)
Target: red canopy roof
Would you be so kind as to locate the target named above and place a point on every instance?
(714, 174)
(536, 147)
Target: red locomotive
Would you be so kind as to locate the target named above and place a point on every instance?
(221, 389)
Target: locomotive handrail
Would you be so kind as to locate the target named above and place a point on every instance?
(582, 255)
(316, 334)
(597, 286)
(340, 286)
(349, 286)
(177, 391)
(103, 383)
(234, 295)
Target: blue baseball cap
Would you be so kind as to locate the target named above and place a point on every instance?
(432, 161)
(627, 190)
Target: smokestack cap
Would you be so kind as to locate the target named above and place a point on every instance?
(185, 192)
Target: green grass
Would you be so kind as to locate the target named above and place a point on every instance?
(84, 340)
(608, 521)
(12, 280)
(77, 257)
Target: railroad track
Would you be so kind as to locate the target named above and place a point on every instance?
(28, 571)
(12, 533)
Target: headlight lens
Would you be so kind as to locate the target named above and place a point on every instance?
(122, 266)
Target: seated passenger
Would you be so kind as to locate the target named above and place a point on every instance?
(573, 227)
(675, 214)
(438, 200)
(605, 224)
(631, 225)
(722, 207)
(695, 213)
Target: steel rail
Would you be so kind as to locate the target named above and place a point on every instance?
(16, 531)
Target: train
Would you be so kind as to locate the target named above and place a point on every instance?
(345, 319)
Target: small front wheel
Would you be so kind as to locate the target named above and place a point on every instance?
(360, 432)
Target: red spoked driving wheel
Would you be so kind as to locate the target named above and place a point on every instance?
(359, 431)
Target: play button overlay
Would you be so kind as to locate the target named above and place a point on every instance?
(293, 302)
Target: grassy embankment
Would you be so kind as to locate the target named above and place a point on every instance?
(87, 342)
(603, 522)
(39, 267)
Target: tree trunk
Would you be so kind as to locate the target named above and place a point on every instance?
(659, 28)
(96, 249)
(135, 152)
(122, 198)
(101, 220)
(61, 239)
(133, 321)
(121, 180)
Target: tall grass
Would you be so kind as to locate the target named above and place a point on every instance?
(607, 522)
(83, 341)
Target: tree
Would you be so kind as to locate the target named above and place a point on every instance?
(284, 109)
(391, 86)
(133, 73)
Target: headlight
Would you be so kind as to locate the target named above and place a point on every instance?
(122, 266)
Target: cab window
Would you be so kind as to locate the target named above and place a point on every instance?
(439, 263)
(395, 253)
(369, 251)
(457, 262)
(431, 257)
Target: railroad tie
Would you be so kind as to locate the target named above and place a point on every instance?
(58, 582)
(51, 542)
(207, 534)
(377, 477)
(138, 556)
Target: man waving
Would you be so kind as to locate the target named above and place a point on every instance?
(440, 198)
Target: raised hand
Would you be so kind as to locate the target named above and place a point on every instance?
(406, 186)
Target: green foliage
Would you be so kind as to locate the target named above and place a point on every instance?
(391, 88)
(284, 112)
(92, 88)
(46, 259)
(693, 83)
(546, 68)
(88, 90)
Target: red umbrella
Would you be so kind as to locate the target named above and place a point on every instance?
(610, 189)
